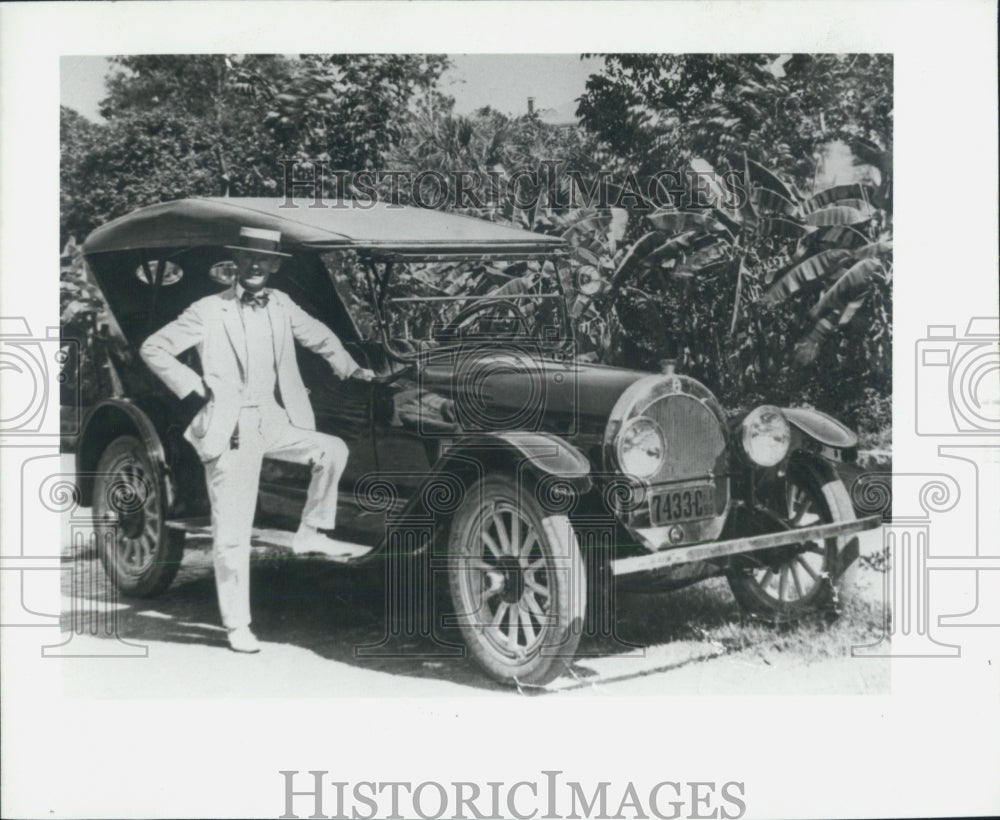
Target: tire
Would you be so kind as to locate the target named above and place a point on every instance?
(789, 582)
(144, 556)
(520, 599)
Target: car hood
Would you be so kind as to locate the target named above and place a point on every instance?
(516, 389)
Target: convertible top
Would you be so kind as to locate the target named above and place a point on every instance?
(378, 228)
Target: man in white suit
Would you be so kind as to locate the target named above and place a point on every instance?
(251, 403)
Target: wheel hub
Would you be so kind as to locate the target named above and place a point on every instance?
(130, 523)
(507, 579)
(128, 503)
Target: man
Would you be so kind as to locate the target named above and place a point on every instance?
(251, 403)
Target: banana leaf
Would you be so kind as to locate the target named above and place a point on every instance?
(859, 205)
(729, 220)
(833, 236)
(587, 256)
(677, 221)
(838, 215)
(808, 346)
(516, 287)
(848, 312)
(766, 179)
(880, 248)
(771, 202)
(848, 288)
(783, 227)
(635, 256)
(812, 268)
(699, 260)
(838, 194)
(671, 248)
(867, 151)
(741, 269)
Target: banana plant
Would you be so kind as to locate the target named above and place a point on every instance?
(775, 241)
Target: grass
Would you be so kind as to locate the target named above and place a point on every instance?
(708, 612)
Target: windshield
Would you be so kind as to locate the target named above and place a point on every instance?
(418, 306)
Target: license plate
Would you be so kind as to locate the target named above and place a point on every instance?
(682, 504)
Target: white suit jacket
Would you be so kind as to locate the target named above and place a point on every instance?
(213, 326)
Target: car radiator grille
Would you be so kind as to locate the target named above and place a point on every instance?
(696, 446)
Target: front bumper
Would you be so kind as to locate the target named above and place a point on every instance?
(847, 548)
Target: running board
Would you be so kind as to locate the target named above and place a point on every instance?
(720, 549)
(269, 541)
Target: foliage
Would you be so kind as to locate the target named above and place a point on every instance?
(505, 161)
(189, 125)
(772, 282)
(759, 289)
(84, 379)
(656, 111)
(350, 110)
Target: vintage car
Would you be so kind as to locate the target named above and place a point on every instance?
(531, 480)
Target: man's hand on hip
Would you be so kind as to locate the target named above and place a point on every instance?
(364, 374)
(196, 399)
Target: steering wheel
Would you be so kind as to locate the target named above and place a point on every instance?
(510, 324)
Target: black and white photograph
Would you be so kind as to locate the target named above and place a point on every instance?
(504, 382)
(558, 398)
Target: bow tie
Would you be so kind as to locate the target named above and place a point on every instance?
(255, 300)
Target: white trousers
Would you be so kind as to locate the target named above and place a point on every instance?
(233, 480)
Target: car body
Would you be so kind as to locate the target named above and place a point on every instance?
(536, 481)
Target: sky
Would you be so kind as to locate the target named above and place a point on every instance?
(503, 81)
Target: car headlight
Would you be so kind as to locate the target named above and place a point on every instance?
(766, 436)
(641, 447)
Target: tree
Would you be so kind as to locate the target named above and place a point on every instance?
(747, 285)
(497, 154)
(187, 125)
(659, 110)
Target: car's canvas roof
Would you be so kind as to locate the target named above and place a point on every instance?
(377, 228)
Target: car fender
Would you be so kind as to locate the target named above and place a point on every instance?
(105, 422)
(820, 427)
(532, 454)
(531, 457)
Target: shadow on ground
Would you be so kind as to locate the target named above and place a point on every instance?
(345, 615)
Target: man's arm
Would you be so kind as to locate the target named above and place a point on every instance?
(317, 337)
(161, 349)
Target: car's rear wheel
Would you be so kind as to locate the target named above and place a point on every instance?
(143, 556)
(517, 584)
(788, 582)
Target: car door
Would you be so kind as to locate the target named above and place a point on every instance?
(343, 408)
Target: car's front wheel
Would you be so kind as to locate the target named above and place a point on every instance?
(140, 555)
(788, 582)
(517, 583)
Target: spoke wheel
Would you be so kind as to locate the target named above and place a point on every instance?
(791, 581)
(519, 597)
(140, 555)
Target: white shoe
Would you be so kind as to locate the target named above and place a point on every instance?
(243, 640)
(310, 541)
